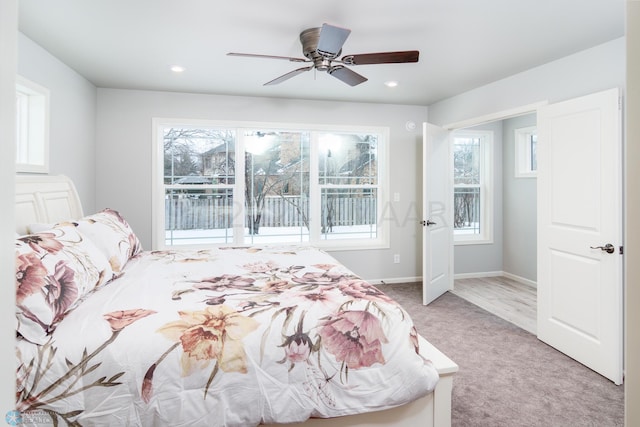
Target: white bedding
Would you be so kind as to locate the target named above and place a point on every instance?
(228, 337)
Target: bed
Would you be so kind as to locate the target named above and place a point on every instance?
(111, 334)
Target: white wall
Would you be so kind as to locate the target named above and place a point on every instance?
(124, 150)
(8, 53)
(519, 208)
(599, 68)
(73, 116)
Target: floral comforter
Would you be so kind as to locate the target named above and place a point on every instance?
(228, 337)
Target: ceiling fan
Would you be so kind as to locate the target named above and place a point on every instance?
(321, 47)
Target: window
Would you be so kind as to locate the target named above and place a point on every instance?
(32, 127)
(245, 183)
(472, 163)
(526, 160)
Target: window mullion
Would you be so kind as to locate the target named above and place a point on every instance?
(314, 190)
(239, 205)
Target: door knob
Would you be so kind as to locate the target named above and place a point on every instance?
(427, 222)
(608, 248)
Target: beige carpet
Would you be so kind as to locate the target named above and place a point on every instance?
(507, 376)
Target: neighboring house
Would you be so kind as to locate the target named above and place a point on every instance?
(219, 163)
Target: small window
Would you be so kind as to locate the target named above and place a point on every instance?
(32, 127)
(473, 188)
(526, 160)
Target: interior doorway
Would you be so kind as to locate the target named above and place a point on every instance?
(498, 272)
(438, 258)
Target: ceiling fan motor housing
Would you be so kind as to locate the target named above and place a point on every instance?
(309, 39)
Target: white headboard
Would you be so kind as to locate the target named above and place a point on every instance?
(45, 199)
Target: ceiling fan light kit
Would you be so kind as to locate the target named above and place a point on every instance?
(321, 47)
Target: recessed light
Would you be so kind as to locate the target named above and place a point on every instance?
(391, 83)
(177, 69)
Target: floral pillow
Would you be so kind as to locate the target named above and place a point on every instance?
(112, 235)
(55, 270)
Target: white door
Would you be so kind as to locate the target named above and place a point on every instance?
(580, 297)
(437, 248)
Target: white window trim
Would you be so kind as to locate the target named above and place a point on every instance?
(486, 201)
(523, 152)
(158, 219)
(32, 136)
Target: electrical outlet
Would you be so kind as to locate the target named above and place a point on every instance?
(396, 258)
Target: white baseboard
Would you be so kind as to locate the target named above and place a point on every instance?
(496, 274)
(521, 279)
(391, 280)
(480, 274)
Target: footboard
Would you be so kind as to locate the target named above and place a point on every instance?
(433, 410)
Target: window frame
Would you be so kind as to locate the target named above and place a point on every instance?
(523, 152)
(32, 127)
(486, 187)
(158, 212)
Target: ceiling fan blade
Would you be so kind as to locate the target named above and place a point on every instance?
(253, 55)
(348, 76)
(382, 58)
(287, 76)
(331, 39)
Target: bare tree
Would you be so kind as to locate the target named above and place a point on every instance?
(466, 172)
(274, 172)
(360, 168)
(186, 151)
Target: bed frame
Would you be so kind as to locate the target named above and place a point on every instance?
(47, 199)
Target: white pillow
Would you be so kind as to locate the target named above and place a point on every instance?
(112, 234)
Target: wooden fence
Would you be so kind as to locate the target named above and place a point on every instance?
(193, 213)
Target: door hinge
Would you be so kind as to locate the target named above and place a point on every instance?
(621, 250)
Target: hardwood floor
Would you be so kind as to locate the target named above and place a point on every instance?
(509, 299)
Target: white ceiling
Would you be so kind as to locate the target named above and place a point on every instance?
(463, 44)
